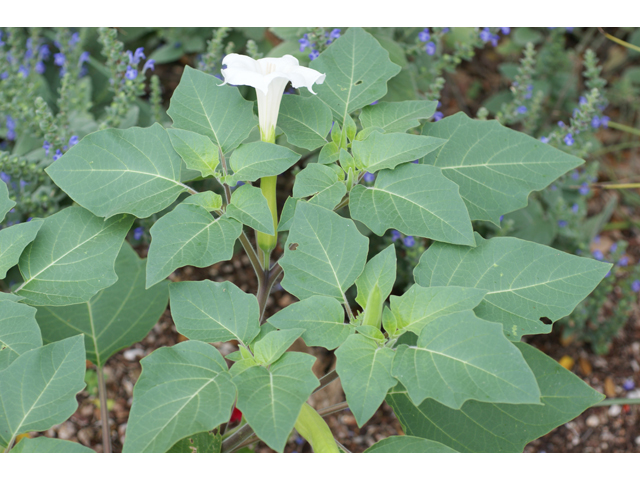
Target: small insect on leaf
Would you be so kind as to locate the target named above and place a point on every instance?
(293, 246)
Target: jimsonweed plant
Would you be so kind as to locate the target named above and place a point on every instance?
(446, 354)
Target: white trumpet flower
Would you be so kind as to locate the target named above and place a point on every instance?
(269, 76)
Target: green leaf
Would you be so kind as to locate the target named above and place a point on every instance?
(121, 171)
(113, 319)
(251, 161)
(184, 389)
(214, 312)
(13, 241)
(271, 399)
(381, 272)
(6, 203)
(305, 121)
(201, 105)
(325, 253)
(321, 317)
(189, 235)
(271, 347)
(415, 200)
(286, 217)
(203, 442)
(19, 331)
(38, 390)
(525, 281)
(72, 257)
(49, 445)
(365, 371)
(460, 357)
(330, 153)
(495, 427)
(208, 200)
(388, 150)
(330, 197)
(198, 152)
(397, 116)
(531, 223)
(357, 70)
(496, 167)
(419, 306)
(313, 179)
(249, 206)
(408, 444)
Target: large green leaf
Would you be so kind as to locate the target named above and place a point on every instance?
(251, 161)
(525, 281)
(496, 167)
(495, 427)
(115, 317)
(114, 171)
(416, 200)
(198, 152)
(459, 357)
(13, 241)
(189, 235)
(6, 203)
(321, 317)
(397, 116)
(19, 331)
(419, 306)
(364, 368)
(532, 223)
(184, 389)
(38, 390)
(357, 70)
(321, 181)
(408, 444)
(305, 121)
(49, 445)
(325, 253)
(201, 105)
(214, 312)
(72, 257)
(249, 206)
(388, 150)
(271, 399)
(380, 272)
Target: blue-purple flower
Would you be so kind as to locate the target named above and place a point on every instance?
(149, 65)
(137, 233)
(395, 235)
(430, 48)
(522, 109)
(335, 33)
(438, 116)
(568, 139)
(562, 223)
(635, 286)
(544, 139)
(424, 36)
(598, 255)
(304, 42)
(73, 141)
(131, 73)
(584, 188)
(57, 155)
(369, 177)
(46, 145)
(314, 54)
(629, 384)
(409, 241)
(623, 262)
(575, 208)
(59, 59)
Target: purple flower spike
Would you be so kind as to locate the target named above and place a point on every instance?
(314, 54)
(73, 141)
(139, 55)
(58, 59)
(424, 36)
(335, 33)
(57, 155)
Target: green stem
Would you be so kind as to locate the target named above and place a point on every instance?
(104, 411)
(617, 401)
(268, 242)
(623, 128)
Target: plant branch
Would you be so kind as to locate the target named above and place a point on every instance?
(237, 438)
(333, 409)
(104, 411)
(326, 380)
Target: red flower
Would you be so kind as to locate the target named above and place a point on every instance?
(236, 416)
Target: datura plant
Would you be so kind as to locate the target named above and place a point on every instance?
(446, 354)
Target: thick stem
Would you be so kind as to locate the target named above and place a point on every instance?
(253, 257)
(104, 411)
(236, 439)
(326, 380)
(333, 409)
(268, 242)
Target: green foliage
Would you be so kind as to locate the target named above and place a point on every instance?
(445, 353)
